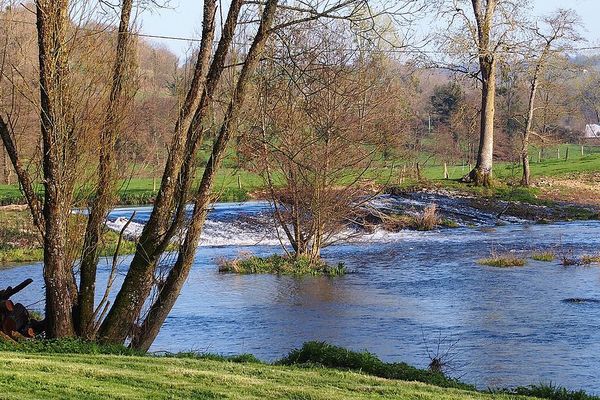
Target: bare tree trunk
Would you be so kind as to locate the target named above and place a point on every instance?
(179, 273)
(106, 191)
(526, 179)
(484, 16)
(59, 145)
(482, 173)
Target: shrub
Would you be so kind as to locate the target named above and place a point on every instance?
(546, 256)
(587, 259)
(281, 265)
(425, 221)
(326, 355)
(549, 392)
(429, 219)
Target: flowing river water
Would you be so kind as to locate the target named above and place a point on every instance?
(411, 295)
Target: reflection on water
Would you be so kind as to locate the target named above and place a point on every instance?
(406, 295)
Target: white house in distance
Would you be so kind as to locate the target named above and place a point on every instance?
(592, 131)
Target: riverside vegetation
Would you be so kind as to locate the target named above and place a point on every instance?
(20, 241)
(513, 260)
(281, 265)
(503, 261)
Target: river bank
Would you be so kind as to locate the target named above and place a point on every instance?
(573, 180)
(129, 377)
(316, 371)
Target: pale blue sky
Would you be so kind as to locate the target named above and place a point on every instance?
(184, 16)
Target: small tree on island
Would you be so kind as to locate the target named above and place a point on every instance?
(324, 115)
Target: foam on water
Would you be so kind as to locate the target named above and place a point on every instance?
(250, 224)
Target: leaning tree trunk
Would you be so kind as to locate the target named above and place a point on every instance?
(170, 290)
(526, 179)
(162, 225)
(24, 179)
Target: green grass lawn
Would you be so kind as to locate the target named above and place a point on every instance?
(140, 190)
(550, 164)
(60, 376)
(236, 184)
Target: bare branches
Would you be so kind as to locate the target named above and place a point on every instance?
(104, 304)
(25, 180)
(317, 132)
(557, 35)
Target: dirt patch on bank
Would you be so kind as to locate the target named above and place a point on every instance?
(582, 189)
(13, 207)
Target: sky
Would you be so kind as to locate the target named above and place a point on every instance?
(183, 18)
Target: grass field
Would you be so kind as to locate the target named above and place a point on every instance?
(60, 376)
(236, 184)
(550, 164)
(230, 185)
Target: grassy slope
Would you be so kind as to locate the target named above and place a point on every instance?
(58, 376)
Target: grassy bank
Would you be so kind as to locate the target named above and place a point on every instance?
(572, 180)
(549, 166)
(230, 185)
(234, 184)
(54, 376)
(73, 369)
(20, 241)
